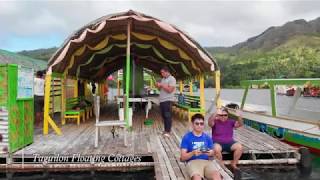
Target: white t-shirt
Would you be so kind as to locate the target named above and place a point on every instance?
(38, 86)
(164, 95)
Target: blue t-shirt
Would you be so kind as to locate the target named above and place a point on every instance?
(191, 142)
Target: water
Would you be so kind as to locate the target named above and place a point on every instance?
(87, 175)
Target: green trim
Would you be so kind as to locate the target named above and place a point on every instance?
(24, 99)
(314, 81)
(274, 82)
(56, 74)
(142, 46)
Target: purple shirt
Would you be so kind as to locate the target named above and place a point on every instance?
(222, 132)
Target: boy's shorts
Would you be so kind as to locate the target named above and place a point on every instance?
(203, 168)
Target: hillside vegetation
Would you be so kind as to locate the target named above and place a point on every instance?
(288, 51)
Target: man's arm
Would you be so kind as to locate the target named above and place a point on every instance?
(211, 120)
(239, 122)
(168, 88)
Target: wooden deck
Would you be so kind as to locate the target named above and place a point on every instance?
(147, 141)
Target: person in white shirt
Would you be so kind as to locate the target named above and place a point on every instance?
(38, 96)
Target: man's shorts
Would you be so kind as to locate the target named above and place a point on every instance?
(201, 167)
(226, 147)
(38, 103)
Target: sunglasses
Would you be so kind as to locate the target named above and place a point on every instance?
(222, 114)
(199, 123)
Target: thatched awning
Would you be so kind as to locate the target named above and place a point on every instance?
(99, 48)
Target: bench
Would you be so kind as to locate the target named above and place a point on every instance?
(78, 113)
(187, 105)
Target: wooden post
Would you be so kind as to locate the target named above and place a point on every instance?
(63, 99)
(118, 87)
(106, 90)
(85, 83)
(273, 100)
(151, 83)
(190, 88)
(217, 81)
(181, 86)
(244, 97)
(127, 75)
(202, 98)
(47, 119)
(75, 88)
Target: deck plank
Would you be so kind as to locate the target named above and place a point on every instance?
(142, 140)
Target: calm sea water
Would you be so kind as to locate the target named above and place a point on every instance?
(86, 175)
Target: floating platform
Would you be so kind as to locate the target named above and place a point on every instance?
(146, 148)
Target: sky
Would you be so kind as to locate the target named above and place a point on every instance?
(27, 25)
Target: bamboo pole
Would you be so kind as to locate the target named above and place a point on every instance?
(118, 87)
(86, 94)
(181, 86)
(75, 88)
(217, 81)
(190, 88)
(244, 97)
(63, 99)
(202, 98)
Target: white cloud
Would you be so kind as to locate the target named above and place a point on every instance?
(211, 23)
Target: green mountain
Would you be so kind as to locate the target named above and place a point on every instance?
(291, 50)
(44, 54)
(7, 57)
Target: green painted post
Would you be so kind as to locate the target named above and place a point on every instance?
(273, 100)
(244, 96)
(126, 115)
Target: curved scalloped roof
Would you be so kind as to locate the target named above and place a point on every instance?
(99, 48)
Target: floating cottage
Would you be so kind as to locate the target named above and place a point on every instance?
(73, 137)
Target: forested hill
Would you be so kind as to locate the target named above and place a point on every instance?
(291, 50)
(44, 54)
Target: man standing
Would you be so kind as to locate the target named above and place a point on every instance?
(196, 147)
(167, 88)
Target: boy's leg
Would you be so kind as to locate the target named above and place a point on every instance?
(195, 168)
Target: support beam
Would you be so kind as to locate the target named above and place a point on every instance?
(181, 86)
(244, 97)
(126, 104)
(218, 89)
(118, 87)
(190, 88)
(47, 119)
(202, 97)
(75, 88)
(273, 100)
(63, 99)
(86, 90)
